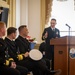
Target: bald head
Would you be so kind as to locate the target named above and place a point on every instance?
(2, 24)
(22, 27)
(23, 31)
(2, 28)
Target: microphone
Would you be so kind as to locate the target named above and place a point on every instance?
(68, 25)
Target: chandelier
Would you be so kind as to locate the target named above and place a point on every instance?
(74, 4)
(67, 0)
(62, 0)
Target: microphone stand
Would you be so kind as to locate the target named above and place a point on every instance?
(69, 50)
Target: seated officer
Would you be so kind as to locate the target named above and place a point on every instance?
(22, 58)
(14, 52)
(4, 54)
(24, 47)
(42, 48)
(7, 67)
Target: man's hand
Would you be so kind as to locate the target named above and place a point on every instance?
(26, 54)
(46, 35)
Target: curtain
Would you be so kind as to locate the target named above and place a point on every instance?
(12, 13)
(42, 15)
(46, 8)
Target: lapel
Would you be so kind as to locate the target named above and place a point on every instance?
(50, 31)
(24, 41)
(10, 43)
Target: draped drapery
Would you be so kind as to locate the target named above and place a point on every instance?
(12, 13)
(46, 8)
(42, 16)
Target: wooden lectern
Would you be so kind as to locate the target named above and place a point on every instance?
(61, 59)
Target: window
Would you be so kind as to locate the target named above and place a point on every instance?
(65, 14)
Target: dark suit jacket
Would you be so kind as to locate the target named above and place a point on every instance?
(49, 52)
(16, 48)
(51, 34)
(12, 48)
(3, 48)
(23, 44)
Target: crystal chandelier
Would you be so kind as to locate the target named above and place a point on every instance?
(74, 4)
(67, 0)
(62, 0)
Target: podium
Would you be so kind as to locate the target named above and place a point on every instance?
(61, 51)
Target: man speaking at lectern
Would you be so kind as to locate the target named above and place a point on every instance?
(48, 34)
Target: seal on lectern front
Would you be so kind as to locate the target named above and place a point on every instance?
(72, 53)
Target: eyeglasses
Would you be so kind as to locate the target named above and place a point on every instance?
(53, 23)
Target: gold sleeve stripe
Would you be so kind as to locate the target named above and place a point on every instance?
(6, 63)
(20, 57)
(11, 59)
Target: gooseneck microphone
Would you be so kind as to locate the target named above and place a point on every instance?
(68, 47)
(67, 25)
